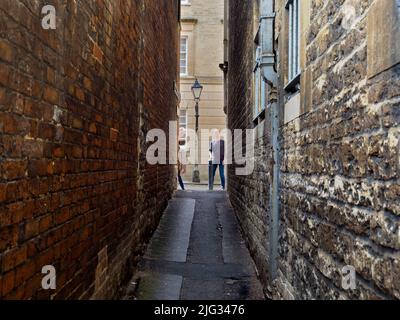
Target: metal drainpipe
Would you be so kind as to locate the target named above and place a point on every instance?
(267, 20)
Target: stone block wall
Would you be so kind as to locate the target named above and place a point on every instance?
(75, 106)
(339, 160)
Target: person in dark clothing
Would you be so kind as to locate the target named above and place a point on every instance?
(181, 157)
(217, 153)
(181, 170)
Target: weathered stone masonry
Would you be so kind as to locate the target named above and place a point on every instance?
(339, 159)
(75, 106)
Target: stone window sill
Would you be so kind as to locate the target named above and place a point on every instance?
(292, 85)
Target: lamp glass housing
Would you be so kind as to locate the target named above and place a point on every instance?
(197, 88)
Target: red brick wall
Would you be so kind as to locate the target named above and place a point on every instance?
(75, 105)
(249, 194)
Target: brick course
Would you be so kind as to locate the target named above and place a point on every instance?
(75, 106)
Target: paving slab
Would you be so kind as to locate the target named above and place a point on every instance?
(171, 240)
(159, 286)
(197, 253)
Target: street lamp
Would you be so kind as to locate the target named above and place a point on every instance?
(197, 88)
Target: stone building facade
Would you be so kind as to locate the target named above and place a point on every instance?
(324, 194)
(75, 106)
(202, 33)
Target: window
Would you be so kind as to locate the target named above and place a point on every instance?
(185, 2)
(293, 7)
(182, 126)
(258, 81)
(258, 85)
(184, 57)
(183, 118)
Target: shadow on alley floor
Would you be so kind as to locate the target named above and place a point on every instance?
(197, 253)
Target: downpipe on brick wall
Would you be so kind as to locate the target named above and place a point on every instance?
(267, 21)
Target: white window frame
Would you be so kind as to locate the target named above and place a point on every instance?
(185, 2)
(294, 70)
(185, 116)
(186, 56)
(259, 86)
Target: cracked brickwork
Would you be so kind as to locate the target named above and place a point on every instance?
(75, 189)
(339, 159)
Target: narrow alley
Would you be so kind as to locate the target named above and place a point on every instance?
(199, 150)
(197, 253)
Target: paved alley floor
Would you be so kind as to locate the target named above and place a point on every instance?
(197, 253)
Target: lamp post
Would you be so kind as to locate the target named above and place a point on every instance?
(197, 88)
